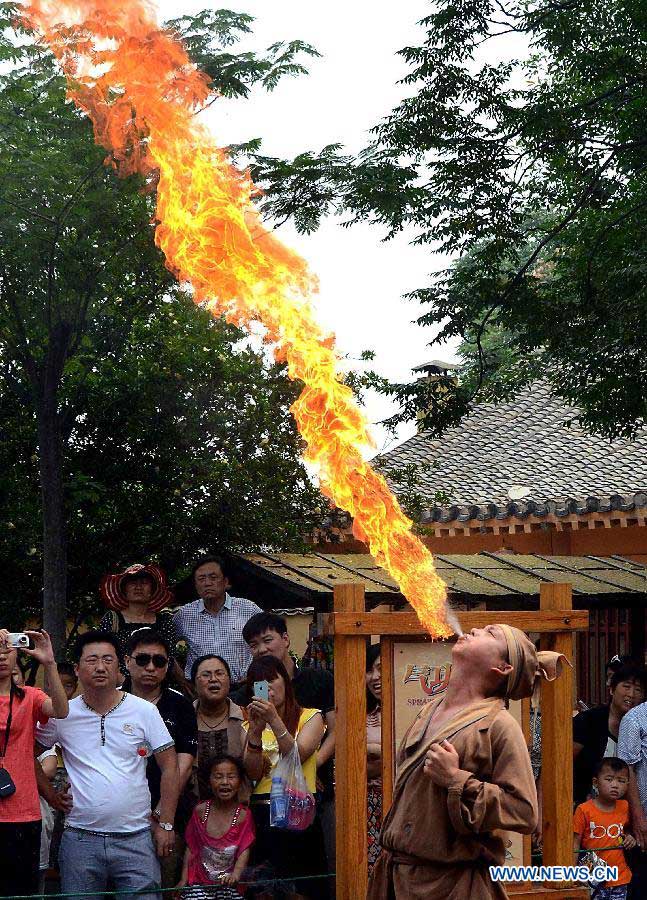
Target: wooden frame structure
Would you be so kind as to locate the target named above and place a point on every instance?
(556, 621)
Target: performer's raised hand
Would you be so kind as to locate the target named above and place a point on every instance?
(442, 763)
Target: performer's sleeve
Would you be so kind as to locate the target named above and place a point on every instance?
(509, 800)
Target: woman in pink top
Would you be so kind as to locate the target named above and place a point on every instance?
(219, 836)
(20, 709)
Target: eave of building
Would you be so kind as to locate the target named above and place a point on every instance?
(527, 460)
(493, 578)
(530, 523)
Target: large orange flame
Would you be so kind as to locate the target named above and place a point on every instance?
(141, 91)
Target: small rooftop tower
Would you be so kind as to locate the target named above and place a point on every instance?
(435, 368)
(434, 371)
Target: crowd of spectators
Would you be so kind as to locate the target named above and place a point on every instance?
(136, 773)
(153, 774)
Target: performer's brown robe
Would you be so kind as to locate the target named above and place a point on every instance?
(440, 841)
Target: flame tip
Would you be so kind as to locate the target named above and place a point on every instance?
(136, 82)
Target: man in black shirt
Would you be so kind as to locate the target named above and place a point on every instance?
(147, 661)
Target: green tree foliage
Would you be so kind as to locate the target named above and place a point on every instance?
(520, 149)
(185, 443)
(82, 292)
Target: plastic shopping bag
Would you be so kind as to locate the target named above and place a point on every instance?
(592, 861)
(292, 806)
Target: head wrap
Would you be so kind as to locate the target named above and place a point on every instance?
(112, 587)
(529, 666)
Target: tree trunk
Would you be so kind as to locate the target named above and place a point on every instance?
(50, 443)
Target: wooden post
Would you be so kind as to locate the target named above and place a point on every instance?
(388, 721)
(557, 739)
(350, 750)
(525, 726)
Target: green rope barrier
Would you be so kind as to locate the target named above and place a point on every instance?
(538, 853)
(206, 888)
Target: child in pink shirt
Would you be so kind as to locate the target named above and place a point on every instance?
(219, 835)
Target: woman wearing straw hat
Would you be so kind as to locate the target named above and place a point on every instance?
(135, 599)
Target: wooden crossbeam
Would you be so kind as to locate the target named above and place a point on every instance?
(534, 891)
(403, 624)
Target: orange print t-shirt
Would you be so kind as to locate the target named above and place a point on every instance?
(24, 805)
(599, 829)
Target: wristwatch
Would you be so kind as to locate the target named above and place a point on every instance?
(167, 826)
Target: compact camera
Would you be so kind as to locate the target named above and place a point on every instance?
(19, 641)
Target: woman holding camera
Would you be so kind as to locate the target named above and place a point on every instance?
(20, 709)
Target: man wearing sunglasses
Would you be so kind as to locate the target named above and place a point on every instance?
(147, 660)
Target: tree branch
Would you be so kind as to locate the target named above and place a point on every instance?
(59, 222)
(577, 206)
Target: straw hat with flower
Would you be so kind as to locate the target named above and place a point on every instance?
(113, 593)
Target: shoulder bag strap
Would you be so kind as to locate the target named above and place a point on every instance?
(7, 731)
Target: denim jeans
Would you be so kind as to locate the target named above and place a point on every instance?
(89, 861)
(610, 893)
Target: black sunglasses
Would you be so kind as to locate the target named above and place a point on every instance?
(143, 659)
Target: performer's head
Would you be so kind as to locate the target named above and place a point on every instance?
(482, 653)
(503, 660)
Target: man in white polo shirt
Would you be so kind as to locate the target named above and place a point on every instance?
(106, 740)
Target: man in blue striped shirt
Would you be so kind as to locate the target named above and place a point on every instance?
(632, 748)
(214, 623)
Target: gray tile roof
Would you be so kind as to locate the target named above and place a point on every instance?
(525, 457)
(466, 575)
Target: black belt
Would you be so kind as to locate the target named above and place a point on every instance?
(103, 833)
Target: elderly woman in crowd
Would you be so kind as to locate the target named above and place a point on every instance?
(220, 720)
(135, 599)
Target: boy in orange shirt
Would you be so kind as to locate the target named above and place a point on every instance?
(601, 822)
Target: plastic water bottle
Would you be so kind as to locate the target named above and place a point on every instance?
(278, 804)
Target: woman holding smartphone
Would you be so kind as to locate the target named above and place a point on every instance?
(20, 709)
(274, 725)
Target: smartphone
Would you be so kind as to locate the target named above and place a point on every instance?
(262, 690)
